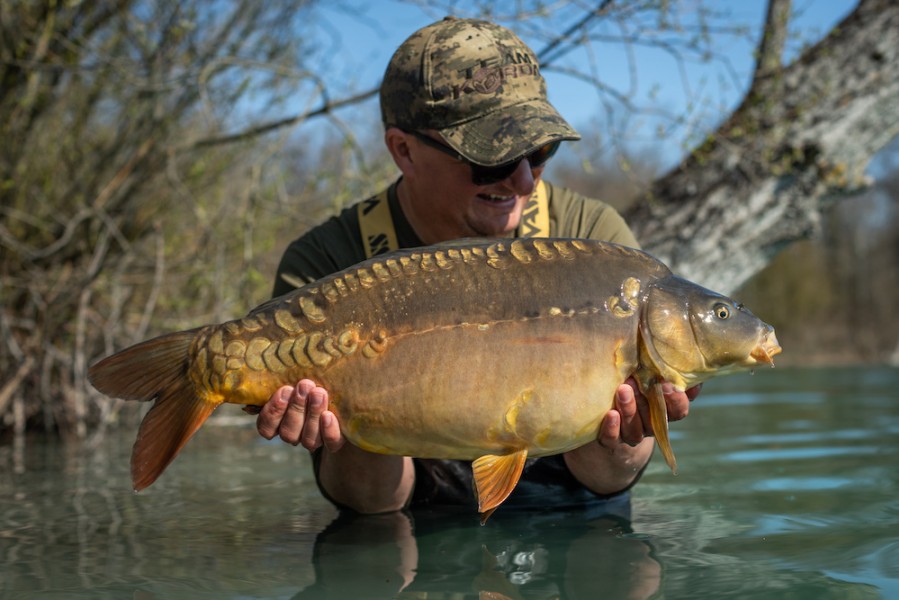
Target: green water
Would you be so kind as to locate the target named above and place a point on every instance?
(788, 488)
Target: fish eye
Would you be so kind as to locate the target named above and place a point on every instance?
(722, 311)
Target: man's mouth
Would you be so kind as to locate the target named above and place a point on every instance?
(496, 198)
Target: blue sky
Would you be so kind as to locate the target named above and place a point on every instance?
(359, 37)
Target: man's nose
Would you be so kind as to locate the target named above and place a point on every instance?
(521, 181)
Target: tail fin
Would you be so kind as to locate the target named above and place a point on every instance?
(174, 418)
(156, 369)
(143, 371)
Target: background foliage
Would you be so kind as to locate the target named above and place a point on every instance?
(145, 185)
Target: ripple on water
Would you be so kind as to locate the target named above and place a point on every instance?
(790, 484)
(809, 453)
(813, 435)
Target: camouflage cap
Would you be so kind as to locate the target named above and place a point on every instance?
(478, 85)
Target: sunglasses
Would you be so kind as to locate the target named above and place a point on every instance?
(482, 175)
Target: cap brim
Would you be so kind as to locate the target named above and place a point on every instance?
(508, 134)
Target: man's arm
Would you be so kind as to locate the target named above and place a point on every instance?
(363, 481)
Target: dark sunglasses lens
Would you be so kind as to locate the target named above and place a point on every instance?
(541, 155)
(481, 175)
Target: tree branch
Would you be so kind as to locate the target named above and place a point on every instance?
(286, 122)
(331, 106)
(764, 178)
(771, 48)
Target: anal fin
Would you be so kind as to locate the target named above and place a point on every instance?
(495, 477)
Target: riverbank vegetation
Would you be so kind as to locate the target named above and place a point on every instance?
(146, 186)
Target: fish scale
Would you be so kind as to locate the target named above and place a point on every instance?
(489, 351)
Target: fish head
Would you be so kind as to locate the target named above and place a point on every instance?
(692, 334)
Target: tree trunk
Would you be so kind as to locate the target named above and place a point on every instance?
(803, 136)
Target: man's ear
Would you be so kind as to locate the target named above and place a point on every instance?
(397, 143)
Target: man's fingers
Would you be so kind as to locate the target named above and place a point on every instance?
(316, 404)
(632, 430)
(331, 435)
(677, 403)
(269, 419)
(300, 415)
(693, 392)
(610, 430)
(293, 422)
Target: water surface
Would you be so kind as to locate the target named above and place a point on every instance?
(788, 487)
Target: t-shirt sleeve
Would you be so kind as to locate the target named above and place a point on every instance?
(610, 226)
(330, 247)
(581, 217)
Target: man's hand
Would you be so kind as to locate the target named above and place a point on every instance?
(622, 450)
(378, 483)
(628, 421)
(363, 481)
(300, 415)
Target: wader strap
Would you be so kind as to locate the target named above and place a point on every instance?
(535, 216)
(376, 225)
(379, 236)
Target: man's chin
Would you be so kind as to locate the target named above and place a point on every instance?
(499, 223)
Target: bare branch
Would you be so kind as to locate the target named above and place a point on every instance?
(328, 107)
(546, 55)
(10, 386)
(771, 48)
(325, 109)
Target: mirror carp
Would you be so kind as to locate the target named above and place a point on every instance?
(491, 351)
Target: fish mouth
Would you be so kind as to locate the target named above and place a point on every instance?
(767, 349)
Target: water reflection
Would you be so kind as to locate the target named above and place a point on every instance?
(773, 499)
(446, 554)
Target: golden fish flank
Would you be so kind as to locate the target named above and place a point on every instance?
(407, 344)
(310, 309)
(291, 348)
(365, 279)
(329, 291)
(497, 260)
(625, 304)
(287, 321)
(376, 345)
(285, 351)
(298, 351)
(545, 250)
(425, 262)
(251, 324)
(564, 250)
(520, 252)
(341, 288)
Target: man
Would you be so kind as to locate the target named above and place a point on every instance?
(468, 125)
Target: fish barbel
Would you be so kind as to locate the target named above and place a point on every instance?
(490, 351)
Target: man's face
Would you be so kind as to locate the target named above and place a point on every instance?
(446, 204)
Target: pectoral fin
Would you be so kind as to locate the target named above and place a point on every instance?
(658, 415)
(495, 477)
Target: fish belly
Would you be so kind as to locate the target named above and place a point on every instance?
(467, 390)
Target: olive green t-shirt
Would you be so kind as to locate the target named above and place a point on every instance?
(337, 244)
